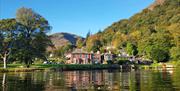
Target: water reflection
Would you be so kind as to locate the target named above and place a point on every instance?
(96, 80)
(4, 82)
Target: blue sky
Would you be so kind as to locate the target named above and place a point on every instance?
(77, 16)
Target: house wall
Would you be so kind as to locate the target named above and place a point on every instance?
(81, 58)
(108, 57)
(85, 58)
(97, 57)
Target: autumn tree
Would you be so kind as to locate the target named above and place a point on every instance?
(79, 43)
(119, 40)
(131, 49)
(60, 51)
(93, 43)
(147, 30)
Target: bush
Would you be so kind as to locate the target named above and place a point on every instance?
(121, 62)
(109, 62)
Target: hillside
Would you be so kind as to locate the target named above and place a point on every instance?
(61, 39)
(156, 3)
(155, 29)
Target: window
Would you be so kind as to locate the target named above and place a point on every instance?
(86, 56)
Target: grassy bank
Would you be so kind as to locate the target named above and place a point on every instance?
(74, 66)
(20, 69)
(63, 67)
(59, 67)
(171, 64)
(82, 67)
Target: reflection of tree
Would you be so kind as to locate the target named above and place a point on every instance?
(159, 83)
(176, 78)
(138, 80)
(125, 77)
(54, 80)
(29, 83)
(4, 82)
(26, 83)
(98, 79)
(145, 80)
(116, 81)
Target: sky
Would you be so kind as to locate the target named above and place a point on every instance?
(77, 16)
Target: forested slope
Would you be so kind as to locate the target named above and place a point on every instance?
(153, 33)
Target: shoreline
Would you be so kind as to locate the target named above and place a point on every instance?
(2, 70)
(73, 67)
(59, 67)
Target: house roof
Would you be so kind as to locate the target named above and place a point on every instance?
(80, 51)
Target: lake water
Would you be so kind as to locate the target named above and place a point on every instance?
(96, 80)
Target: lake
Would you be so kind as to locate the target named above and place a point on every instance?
(95, 80)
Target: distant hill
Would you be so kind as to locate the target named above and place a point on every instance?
(152, 30)
(161, 15)
(61, 39)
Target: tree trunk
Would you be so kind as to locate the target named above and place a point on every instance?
(5, 60)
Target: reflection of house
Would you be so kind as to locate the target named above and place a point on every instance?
(79, 56)
(84, 79)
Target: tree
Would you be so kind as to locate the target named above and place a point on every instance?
(79, 43)
(34, 39)
(146, 29)
(99, 32)
(156, 47)
(8, 35)
(119, 40)
(88, 34)
(59, 52)
(158, 54)
(93, 43)
(96, 46)
(175, 53)
(131, 49)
